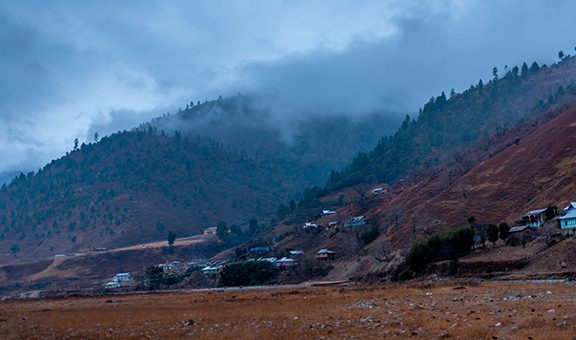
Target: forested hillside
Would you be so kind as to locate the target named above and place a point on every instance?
(448, 126)
(225, 160)
(493, 152)
(134, 187)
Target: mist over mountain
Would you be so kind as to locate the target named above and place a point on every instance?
(72, 69)
(310, 144)
(7, 176)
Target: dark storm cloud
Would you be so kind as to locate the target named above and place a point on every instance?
(72, 68)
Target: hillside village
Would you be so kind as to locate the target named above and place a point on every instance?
(288, 169)
(482, 184)
(548, 224)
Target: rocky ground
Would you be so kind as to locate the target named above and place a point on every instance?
(489, 310)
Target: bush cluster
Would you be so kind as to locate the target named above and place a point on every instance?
(251, 273)
(444, 245)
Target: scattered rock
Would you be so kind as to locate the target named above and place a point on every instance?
(367, 304)
(188, 323)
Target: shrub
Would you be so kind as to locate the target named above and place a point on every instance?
(447, 244)
(153, 277)
(405, 275)
(247, 273)
(368, 235)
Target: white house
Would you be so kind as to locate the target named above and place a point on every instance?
(112, 284)
(296, 252)
(210, 231)
(570, 206)
(123, 277)
(309, 225)
(209, 270)
(378, 191)
(328, 212)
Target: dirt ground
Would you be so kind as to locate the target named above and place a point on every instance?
(490, 310)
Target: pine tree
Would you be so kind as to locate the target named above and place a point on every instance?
(171, 238)
(221, 230)
(525, 69)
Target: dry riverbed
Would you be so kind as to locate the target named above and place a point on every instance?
(488, 310)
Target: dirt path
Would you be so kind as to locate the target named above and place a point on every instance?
(486, 311)
(185, 241)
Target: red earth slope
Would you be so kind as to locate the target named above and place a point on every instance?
(536, 171)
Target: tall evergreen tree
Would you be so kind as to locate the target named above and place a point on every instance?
(525, 69)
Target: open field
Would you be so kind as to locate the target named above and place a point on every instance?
(489, 310)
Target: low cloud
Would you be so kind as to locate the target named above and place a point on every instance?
(74, 68)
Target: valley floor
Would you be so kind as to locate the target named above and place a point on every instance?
(492, 309)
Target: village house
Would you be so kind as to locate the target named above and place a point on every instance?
(534, 218)
(209, 271)
(325, 254)
(309, 226)
(166, 267)
(570, 206)
(122, 277)
(332, 224)
(568, 220)
(296, 252)
(356, 221)
(112, 285)
(210, 231)
(285, 263)
(378, 191)
(520, 235)
(328, 212)
(260, 249)
(267, 259)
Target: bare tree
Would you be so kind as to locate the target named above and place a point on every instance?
(384, 252)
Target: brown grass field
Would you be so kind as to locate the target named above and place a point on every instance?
(489, 310)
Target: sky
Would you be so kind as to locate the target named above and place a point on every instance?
(71, 68)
